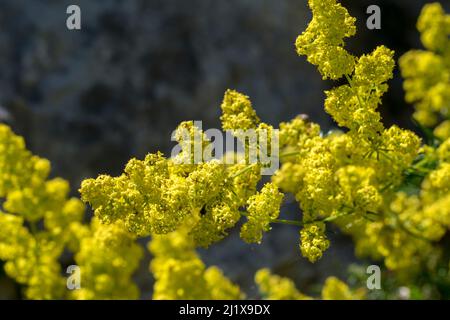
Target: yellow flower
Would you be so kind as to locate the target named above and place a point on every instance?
(262, 209)
(313, 241)
(180, 274)
(107, 258)
(434, 26)
(427, 73)
(273, 287)
(323, 46)
(237, 112)
(335, 289)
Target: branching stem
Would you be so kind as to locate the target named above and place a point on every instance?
(350, 82)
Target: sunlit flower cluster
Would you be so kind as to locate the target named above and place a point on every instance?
(274, 287)
(427, 72)
(383, 186)
(180, 274)
(28, 197)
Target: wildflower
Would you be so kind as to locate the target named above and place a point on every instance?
(237, 112)
(262, 209)
(313, 241)
(323, 46)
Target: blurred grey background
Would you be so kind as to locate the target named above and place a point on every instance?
(89, 100)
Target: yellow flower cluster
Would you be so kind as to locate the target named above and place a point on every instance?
(28, 198)
(335, 289)
(354, 105)
(31, 259)
(273, 287)
(412, 222)
(263, 208)
(157, 195)
(18, 167)
(237, 112)
(434, 26)
(39, 222)
(323, 40)
(108, 256)
(313, 241)
(193, 143)
(427, 72)
(333, 177)
(358, 179)
(180, 274)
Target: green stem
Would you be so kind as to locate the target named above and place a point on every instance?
(289, 222)
(332, 218)
(242, 171)
(420, 163)
(301, 223)
(387, 186)
(429, 135)
(418, 171)
(281, 221)
(34, 231)
(289, 154)
(350, 82)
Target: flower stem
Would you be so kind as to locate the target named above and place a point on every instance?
(350, 82)
(243, 170)
(303, 223)
(289, 154)
(289, 222)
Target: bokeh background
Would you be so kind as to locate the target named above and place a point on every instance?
(89, 100)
